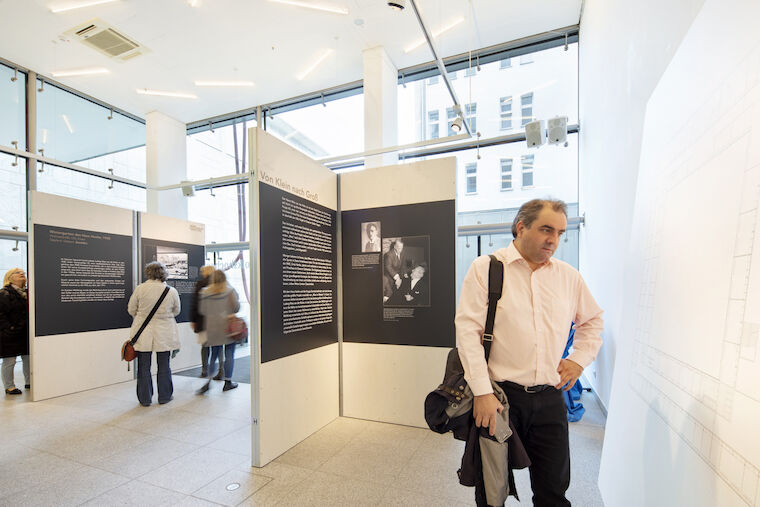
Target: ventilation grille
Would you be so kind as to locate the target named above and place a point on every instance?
(98, 35)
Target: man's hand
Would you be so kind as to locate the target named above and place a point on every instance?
(484, 409)
(398, 282)
(192, 325)
(569, 371)
(408, 297)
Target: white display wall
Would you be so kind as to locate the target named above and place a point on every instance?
(684, 403)
(72, 362)
(295, 395)
(389, 382)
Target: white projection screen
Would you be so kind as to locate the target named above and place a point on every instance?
(685, 400)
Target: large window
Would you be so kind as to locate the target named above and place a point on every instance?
(335, 128)
(12, 107)
(68, 183)
(549, 85)
(433, 124)
(224, 210)
(75, 130)
(13, 202)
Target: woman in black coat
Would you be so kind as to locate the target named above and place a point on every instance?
(14, 328)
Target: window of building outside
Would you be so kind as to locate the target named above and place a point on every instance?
(224, 210)
(12, 107)
(470, 112)
(452, 76)
(505, 108)
(471, 170)
(552, 79)
(527, 170)
(12, 210)
(505, 63)
(470, 71)
(526, 106)
(337, 128)
(506, 174)
(525, 59)
(75, 130)
(432, 80)
(433, 124)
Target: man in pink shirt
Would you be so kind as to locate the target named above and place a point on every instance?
(541, 296)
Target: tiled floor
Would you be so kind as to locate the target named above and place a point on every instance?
(101, 448)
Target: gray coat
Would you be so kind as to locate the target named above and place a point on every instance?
(216, 310)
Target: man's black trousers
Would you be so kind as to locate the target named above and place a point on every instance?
(540, 420)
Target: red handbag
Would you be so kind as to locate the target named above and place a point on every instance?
(237, 329)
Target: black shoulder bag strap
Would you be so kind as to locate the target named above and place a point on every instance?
(495, 283)
(150, 316)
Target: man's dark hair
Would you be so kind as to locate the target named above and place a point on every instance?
(370, 226)
(530, 210)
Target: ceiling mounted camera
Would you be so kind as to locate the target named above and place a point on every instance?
(397, 4)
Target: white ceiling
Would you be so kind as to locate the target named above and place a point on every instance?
(257, 40)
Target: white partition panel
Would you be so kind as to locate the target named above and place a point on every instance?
(174, 230)
(386, 375)
(72, 362)
(298, 396)
(294, 389)
(684, 403)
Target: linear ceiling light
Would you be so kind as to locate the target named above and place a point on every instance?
(318, 7)
(438, 32)
(79, 5)
(68, 123)
(325, 54)
(224, 83)
(80, 72)
(159, 93)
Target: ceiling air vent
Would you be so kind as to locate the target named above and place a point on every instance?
(99, 35)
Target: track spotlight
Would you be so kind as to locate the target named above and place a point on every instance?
(397, 5)
(457, 124)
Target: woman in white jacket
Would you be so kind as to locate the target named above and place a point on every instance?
(161, 335)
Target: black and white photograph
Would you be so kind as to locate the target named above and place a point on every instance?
(175, 261)
(406, 271)
(371, 237)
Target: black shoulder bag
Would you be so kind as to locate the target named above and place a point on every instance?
(451, 391)
(128, 352)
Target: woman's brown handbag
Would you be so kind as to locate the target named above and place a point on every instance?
(237, 329)
(128, 352)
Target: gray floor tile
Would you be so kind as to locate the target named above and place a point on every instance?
(221, 490)
(194, 470)
(137, 493)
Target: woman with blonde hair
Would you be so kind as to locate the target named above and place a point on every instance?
(217, 303)
(14, 328)
(161, 335)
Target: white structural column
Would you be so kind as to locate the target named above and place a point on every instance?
(166, 152)
(380, 106)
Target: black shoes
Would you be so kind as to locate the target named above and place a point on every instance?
(203, 389)
(27, 386)
(219, 376)
(228, 384)
(204, 374)
(15, 390)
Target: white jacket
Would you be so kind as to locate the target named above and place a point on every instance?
(161, 333)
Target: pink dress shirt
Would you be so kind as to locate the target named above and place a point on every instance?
(532, 322)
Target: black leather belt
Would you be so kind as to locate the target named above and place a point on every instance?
(527, 389)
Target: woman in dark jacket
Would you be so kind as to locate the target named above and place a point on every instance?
(14, 328)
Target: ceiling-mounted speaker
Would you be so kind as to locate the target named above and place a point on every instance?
(557, 130)
(535, 133)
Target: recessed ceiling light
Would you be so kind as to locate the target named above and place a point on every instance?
(325, 54)
(80, 72)
(79, 5)
(68, 123)
(224, 83)
(318, 7)
(193, 3)
(440, 31)
(159, 93)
